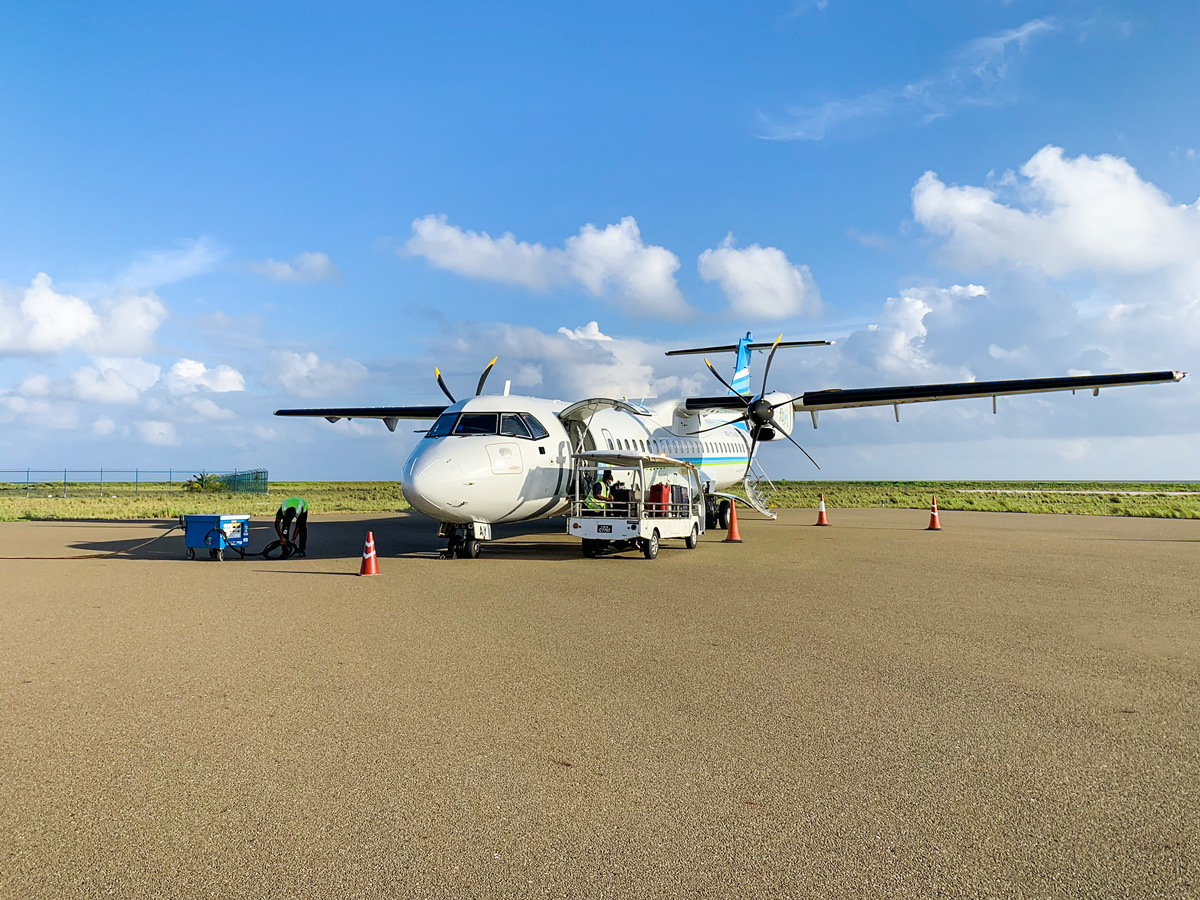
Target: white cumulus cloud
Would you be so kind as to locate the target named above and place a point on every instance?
(95, 386)
(207, 409)
(189, 375)
(43, 320)
(1083, 215)
(307, 375)
(161, 434)
(307, 267)
(589, 332)
(760, 282)
(612, 263)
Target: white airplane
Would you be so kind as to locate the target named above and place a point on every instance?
(505, 458)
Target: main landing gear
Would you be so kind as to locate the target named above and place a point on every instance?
(464, 539)
(716, 512)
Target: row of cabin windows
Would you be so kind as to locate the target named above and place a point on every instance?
(516, 425)
(666, 446)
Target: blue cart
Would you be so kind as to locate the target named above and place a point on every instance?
(215, 534)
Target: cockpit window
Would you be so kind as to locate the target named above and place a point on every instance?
(512, 426)
(443, 425)
(476, 423)
(535, 427)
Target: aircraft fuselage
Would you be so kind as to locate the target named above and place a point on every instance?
(506, 458)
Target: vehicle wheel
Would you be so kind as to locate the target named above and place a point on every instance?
(212, 552)
(470, 549)
(723, 515)
(191, 553)
(692, 539)
(650, 548)
(589, 548)
(220, 555)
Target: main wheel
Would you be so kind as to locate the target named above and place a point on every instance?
(692, 539)
(470, 549)
(650, 547)
(723, 515)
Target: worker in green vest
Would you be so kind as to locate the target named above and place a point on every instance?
(293, 509)
(599, 497)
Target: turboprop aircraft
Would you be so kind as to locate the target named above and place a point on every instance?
(491, 459)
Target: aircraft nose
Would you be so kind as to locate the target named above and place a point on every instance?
(435, 486)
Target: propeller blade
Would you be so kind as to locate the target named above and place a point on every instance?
(794, 441)
(722, 425)
(717, 375)
(753, 447)
(483, 377)
(445, 390)
(767, 370)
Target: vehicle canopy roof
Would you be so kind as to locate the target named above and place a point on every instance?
(629, 459)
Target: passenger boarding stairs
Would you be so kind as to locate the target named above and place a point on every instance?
(759, 489)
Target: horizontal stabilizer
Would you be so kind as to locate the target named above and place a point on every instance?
(761, 345)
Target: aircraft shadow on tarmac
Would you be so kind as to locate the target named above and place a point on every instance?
(397, 536)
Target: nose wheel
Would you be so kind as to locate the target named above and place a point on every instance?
(462, 544)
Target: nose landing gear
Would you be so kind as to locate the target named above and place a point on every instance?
(464, 539)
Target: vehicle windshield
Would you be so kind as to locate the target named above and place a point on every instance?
(477, 423)
(512, 426)
(536, 428)
(443, 425)
(517, 425)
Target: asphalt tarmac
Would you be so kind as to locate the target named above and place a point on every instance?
(1007, 708)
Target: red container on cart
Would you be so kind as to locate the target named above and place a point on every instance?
(660, 496)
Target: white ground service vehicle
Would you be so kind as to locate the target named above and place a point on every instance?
(654, 498)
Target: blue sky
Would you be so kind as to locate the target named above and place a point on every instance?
(214, 210)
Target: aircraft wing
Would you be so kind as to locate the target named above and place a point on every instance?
(389, 414)
(837, 398)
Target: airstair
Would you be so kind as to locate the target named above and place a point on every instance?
(759, 489)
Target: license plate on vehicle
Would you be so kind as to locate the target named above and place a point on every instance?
(604, 529)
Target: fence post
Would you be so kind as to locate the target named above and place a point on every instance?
(135, 482)
(27, 484)
(170, 480)
(102, 482)
(64, 484)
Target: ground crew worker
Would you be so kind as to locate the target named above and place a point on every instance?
(600, 495)
(293, 508)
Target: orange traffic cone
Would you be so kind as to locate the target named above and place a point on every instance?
(733, 536)
(369, 564)
(821, 520)
(934, 524)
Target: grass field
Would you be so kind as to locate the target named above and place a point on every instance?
(83, 501)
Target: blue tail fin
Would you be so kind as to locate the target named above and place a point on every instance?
(741, 370)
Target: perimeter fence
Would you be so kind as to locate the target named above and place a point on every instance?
(128, 482)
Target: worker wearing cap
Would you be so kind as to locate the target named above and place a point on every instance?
(293, 508)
